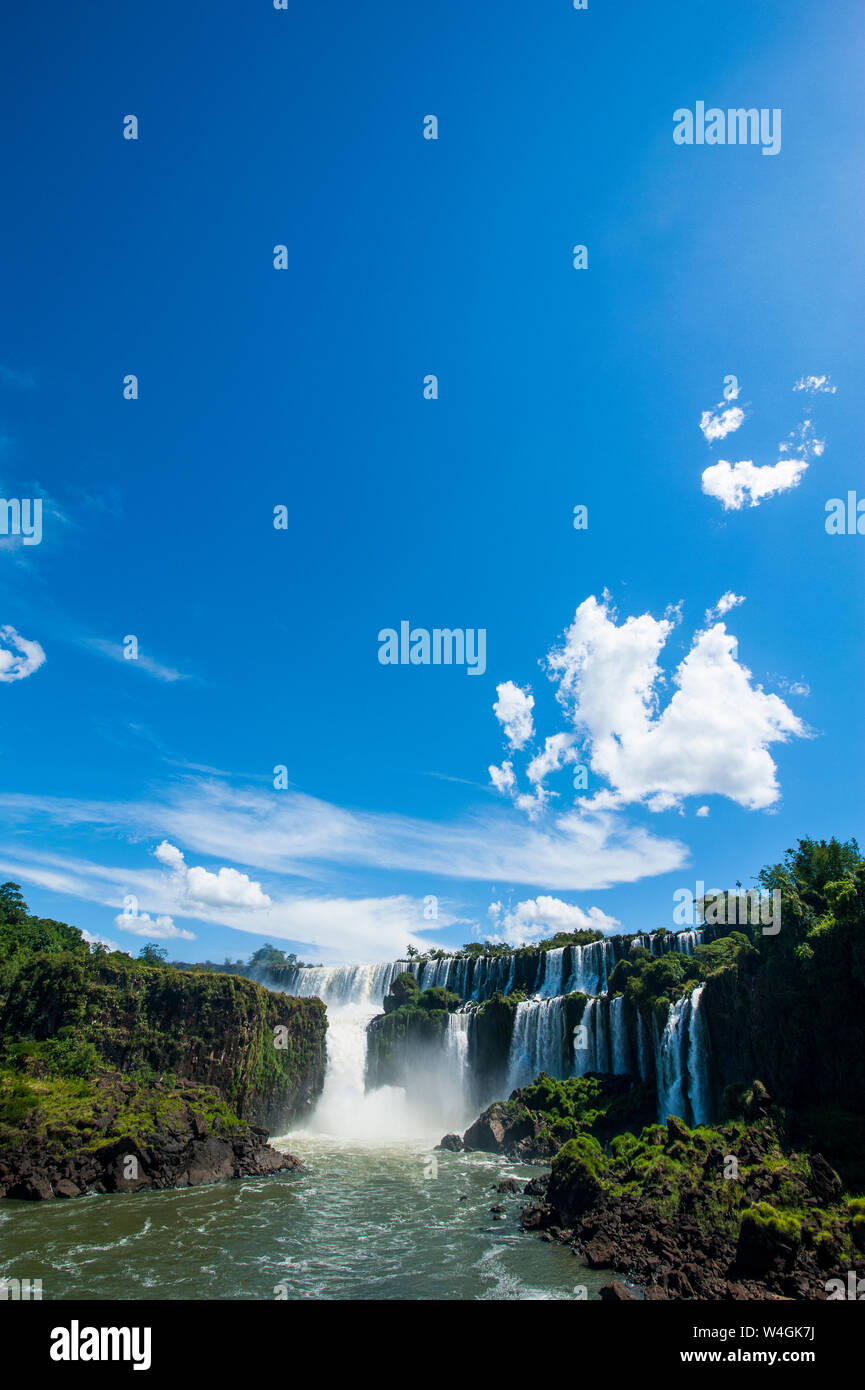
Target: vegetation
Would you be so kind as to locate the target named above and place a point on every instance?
(72, 1014)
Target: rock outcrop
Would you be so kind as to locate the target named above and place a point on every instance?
(178, 1136)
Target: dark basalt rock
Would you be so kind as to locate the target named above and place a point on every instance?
(537, 1187)
(452, 1143)
(181, 1150)
(615, 1292)
(522, 1137)
(674, 1231)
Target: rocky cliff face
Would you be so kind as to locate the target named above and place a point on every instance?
(113, 1135)
(664, 1209)
(265, 1053)
(804, 1038)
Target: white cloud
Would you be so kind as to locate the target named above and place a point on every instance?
(544, 916)
(734, 483)
(93, 939)
(503, 778)
(719, 426)
(513, 710)
(294, 834)
(226, 888)
(725, 603)
(814, 384)
(170, 855)
(19, 657)
(712, 736)
(115, 651)
(702, 810)
(558, 750)
(162, 929)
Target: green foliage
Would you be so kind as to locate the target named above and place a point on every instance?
(153, 954)
(578, 1159)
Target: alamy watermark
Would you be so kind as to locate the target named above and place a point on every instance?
(443, 646)
(21, 1290)
(22, 516)
(720, 908)
(739, 126)
(845, 518)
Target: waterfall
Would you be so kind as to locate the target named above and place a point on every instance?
(674, 1056)
(554, 965)
(457, 1048)
(670, 1069)
(698, 1080)
(538, 1042)
(549, 974)
(340, 985)
(585, 1050)
(682, 1062)
(353, 996)
(620, 1045)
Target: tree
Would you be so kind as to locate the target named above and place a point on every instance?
(153, 954)
(13, 909)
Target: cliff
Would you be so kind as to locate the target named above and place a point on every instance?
(108, 1062)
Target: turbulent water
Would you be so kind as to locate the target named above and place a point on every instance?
(365, 1221)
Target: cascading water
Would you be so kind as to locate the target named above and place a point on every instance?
(682, 1062)
(698, 1080)
(457, 1047)
(676, 1057)
(670, 1068)
(353, 996)
(554, 964)
(538, 1042)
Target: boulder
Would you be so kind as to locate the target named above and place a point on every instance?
(64, 1188)
(615, 1292)
(452, 1143)
(600, 1252)
(31, 1189)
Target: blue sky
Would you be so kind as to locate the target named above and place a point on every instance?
(258, 388)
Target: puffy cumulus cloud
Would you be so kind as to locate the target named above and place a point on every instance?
(19, 657)
(226, 888)
(725, 603)
(718, 426)
(160, 929)
(558, 750)
(170, 855)
(814, 384)
(735, 483)
(712, 736)
(702, 810)
(513, 710)
(503, 778)
(539, 917)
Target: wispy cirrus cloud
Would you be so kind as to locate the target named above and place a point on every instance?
(115, 652)
(290, 834)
